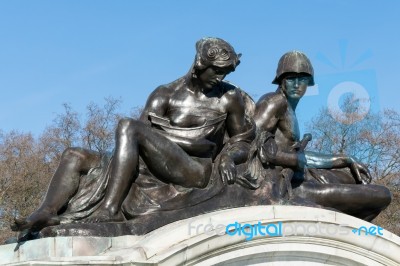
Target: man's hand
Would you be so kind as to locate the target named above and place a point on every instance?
(360, 172)
(227, 170)
(267, 150)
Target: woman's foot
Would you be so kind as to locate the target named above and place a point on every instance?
(35, 222)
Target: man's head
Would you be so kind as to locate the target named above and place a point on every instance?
(294, 63)
(295, 85)
(215, 52)
(294, 74)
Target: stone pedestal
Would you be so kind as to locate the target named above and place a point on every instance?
(282, 235)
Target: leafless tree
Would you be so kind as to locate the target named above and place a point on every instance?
(373, 138)
(98, 131)
(27, 163)
(62, 133)
(25, 174)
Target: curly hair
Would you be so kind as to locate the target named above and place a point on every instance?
(215, 52)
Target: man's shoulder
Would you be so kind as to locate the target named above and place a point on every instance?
(272, 97)
(273, 100)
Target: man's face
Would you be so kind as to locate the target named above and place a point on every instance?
(211, 76)
(296, 86)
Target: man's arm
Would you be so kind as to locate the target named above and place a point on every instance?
(269, 109)
(327, 161)
(331, 161)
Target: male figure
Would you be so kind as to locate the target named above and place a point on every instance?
(275, 113)
(178, 136)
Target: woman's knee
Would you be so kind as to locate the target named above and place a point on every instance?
(80, 158)
(73, 153)
(128, 127)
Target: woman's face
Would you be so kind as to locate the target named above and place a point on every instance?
(211, 76)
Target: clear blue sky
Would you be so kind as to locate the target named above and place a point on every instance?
(77, 52)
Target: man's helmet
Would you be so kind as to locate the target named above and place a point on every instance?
(215, 52)
(294, 62)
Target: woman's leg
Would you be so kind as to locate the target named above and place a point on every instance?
(164, 158)
(63, 185)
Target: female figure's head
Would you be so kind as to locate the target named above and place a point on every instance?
(215, 58)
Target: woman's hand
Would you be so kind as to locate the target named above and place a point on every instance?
(227, 170)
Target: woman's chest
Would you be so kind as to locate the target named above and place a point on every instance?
(192, 112)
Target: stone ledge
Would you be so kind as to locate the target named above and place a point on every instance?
(174, 244)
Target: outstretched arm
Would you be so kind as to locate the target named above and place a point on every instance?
(330, 161)
(327, 161)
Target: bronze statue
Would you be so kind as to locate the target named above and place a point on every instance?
(180, 134)
(316, 177)
(194, 137)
